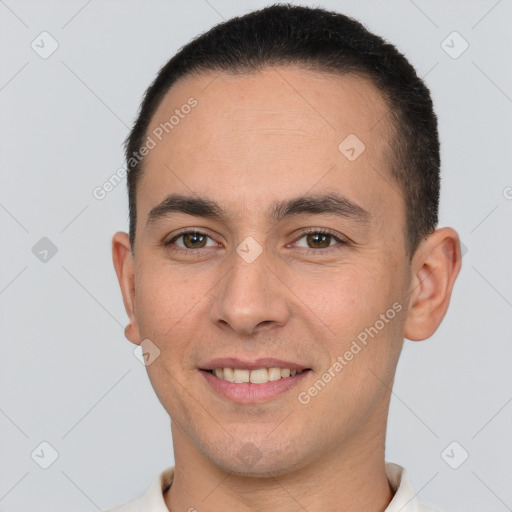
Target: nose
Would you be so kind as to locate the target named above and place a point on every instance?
(251, 297)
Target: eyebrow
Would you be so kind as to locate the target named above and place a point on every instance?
(333, 204)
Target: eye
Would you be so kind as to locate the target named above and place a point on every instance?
(319, 239)
(314, 239)
(191, 240)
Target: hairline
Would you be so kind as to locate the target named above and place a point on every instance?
(392, 129)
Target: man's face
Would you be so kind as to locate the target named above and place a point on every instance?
(255, 285)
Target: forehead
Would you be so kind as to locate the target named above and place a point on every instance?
(267, 134)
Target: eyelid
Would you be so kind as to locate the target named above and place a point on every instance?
(341, 241)
(187, 231)
(302, 233)
(325, 231)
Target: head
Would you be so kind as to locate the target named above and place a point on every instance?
(285, 206)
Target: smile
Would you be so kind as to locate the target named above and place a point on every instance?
(258, 376)
(244, 386)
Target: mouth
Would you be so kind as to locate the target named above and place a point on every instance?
(256, 376)
(253, 382)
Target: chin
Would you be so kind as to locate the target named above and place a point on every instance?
(245, 459)
(269, 469)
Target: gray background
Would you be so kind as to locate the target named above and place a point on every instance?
(69, 377)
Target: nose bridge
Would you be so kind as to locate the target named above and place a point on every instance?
(250, 294)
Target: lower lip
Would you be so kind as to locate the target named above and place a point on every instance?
(245, 393)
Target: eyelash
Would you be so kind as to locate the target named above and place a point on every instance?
(323, 231)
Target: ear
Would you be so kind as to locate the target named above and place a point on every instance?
(435, 267)
(124, 265)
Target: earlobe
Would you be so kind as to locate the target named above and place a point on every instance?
(435, 267)
(124, 267)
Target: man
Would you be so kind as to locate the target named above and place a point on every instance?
(283, 191)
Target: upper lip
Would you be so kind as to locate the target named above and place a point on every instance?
(254, 364)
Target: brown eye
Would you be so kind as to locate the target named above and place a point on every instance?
(190, 240)
(318, 240)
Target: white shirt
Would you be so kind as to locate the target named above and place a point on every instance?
(404, 499)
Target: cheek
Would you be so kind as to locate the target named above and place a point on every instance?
(341, 296)
(354, 303)
(171, 308)
(167, 316)
(164, 300)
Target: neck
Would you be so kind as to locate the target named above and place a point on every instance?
(349, 479)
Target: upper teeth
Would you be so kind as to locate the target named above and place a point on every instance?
(259, 376)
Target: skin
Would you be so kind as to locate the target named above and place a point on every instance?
(251, 140)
